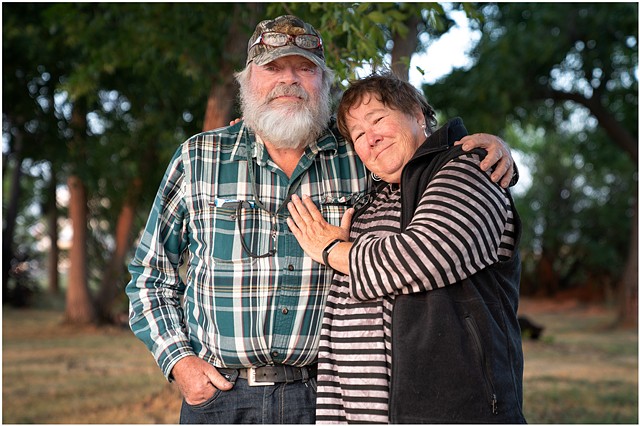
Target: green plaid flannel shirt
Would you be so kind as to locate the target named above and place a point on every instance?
(228, 308)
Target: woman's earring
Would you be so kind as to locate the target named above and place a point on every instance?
(424, 130)
(375, 177)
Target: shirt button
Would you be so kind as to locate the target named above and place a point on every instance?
(291, 267)
(275, 354)
(285, 311)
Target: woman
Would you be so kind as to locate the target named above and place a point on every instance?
(420, 325)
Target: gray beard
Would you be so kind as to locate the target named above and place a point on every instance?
(286, 126)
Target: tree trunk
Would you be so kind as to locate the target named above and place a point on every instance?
(54, 251)
(79, 307)
(220, 101)
(549, 282)
(223, 87)
(628, 306)
(112, 279)
(10, 215)
(404, 48)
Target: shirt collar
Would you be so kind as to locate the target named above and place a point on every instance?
(326, 142)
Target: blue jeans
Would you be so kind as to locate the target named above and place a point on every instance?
(282, 403)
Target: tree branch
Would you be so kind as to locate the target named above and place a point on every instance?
(618, 134)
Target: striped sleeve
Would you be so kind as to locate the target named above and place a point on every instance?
(463, 224)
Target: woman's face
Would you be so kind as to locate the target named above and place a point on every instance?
(385, 139)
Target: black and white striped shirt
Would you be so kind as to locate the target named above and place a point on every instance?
(463, 224)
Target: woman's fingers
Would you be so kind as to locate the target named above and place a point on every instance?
(345, 222)
(312, 209)
(305, 210)
(299, 211)
(306, 222)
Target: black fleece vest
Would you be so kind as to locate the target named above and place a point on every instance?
(456, 351)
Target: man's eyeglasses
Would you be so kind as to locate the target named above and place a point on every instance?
(273, 39)
(273, 233)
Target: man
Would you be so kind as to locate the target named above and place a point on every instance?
(240, 336)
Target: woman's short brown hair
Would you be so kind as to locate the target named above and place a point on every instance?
(391, 91)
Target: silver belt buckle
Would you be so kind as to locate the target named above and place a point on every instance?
(251, 378)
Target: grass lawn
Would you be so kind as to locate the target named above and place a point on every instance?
(580, 371)
(59, 374)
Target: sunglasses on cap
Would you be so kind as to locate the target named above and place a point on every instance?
(274, 39)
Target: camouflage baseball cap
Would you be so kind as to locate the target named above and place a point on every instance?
(260, 53)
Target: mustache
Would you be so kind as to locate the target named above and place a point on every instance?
(288, 90)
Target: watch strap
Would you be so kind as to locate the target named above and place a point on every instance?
(327, 250)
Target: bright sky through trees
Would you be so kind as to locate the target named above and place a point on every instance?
(446, 53)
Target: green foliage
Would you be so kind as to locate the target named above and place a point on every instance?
(566, 73)
(143, 72)
(31, 73)
(357, 34)
(579, 187)
(140, 74)
(533, 57)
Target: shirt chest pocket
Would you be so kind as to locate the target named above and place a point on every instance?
(237, 233)
(333, 205)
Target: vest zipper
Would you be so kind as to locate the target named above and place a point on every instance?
(491, 395)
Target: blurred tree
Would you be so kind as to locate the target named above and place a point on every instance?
(33, 128)
(51, 66)
(104, 93)
(143, 96)
(376, 34)
(568, 211)
(571, 69)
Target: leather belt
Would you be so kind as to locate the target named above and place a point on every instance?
(272, 374)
